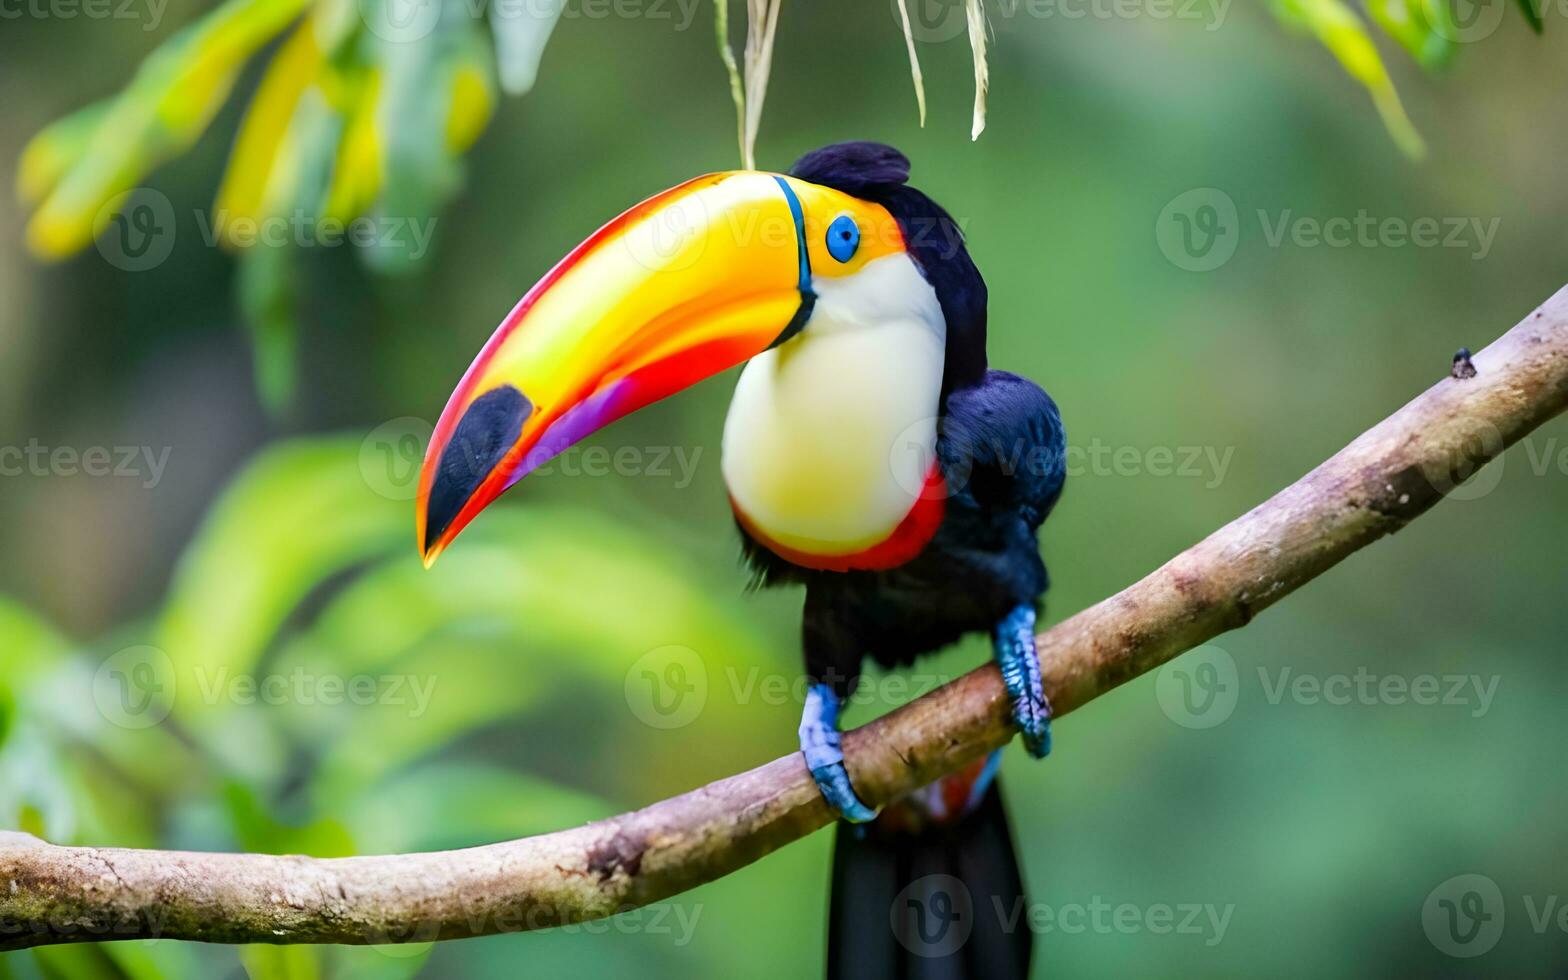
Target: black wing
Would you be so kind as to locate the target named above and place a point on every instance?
(1002, 448)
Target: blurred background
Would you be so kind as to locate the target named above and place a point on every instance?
(1198, 235)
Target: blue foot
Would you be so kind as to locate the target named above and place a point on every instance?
(820, 743)
(1020, 663)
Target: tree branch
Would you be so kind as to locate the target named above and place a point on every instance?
(1373, 487)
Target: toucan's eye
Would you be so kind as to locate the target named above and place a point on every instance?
(843, 238)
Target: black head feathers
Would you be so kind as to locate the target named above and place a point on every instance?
(877, 172)
(861, 168)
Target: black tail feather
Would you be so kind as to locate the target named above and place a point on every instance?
(928, 900)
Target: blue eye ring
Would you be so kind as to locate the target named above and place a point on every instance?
(843, 238)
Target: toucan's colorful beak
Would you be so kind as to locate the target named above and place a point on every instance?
(686, 284)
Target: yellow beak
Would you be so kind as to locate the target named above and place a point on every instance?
(686, 284)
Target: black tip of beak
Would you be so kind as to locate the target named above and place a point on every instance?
(484, 435)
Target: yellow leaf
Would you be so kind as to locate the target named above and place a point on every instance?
(266, 121)
(56, 150)
(159, 115)
(357, 173)
(1338, 28)
(472, 103)
(218, 50)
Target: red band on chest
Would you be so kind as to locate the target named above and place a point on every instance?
(911, 535)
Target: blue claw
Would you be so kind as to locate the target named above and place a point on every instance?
(1020, 663)
(821, 745)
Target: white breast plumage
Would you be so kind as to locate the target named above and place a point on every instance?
(831, 436)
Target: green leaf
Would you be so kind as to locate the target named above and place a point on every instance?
(28, 645)
(295, 186)
(35, 792)
(401, 961)
(265, 962)
(420, 170)
(51, 154)
(154, 960)
(1532, 13)
(79, 962)
(159, 115)
(267, 300)
(1425, 28)
(49, 714)
(1338, 28)
(451, 686)
(545, 572)
(256, 829)
(465, 643)
(301, 513)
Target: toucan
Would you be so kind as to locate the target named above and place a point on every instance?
(870, 456)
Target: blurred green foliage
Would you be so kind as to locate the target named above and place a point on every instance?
(367, 105)
(318, 693)
(364, 108)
